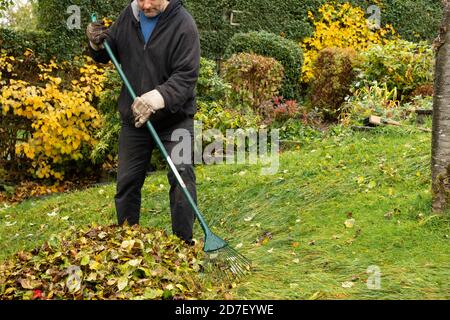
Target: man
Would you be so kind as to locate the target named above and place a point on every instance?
(157, 45)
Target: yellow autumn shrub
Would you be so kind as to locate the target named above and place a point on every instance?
(340, 26)
(62, 115)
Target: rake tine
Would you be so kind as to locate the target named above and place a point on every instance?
(240, 260)
(237, 267)
(237, 264)
(222, 264)
(222, 272)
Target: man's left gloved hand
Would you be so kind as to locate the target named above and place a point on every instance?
(144, 106)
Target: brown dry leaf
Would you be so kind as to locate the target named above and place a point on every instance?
(29, 283)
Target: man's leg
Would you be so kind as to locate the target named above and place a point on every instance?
(135, 148)
(183, 216)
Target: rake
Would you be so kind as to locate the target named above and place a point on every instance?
(219, 253)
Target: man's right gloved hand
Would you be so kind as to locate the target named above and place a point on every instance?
(144, 106)
(96, 33)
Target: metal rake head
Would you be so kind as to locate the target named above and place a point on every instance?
(228, 263)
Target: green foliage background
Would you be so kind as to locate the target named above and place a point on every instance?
(413, 19)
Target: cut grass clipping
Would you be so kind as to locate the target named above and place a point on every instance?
(109, 263)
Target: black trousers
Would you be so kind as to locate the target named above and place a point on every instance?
(135, 150)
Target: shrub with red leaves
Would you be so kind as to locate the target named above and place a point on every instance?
(279, 109)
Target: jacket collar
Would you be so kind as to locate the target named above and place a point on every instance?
(135, 9)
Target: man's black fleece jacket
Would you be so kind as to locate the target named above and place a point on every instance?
(169, 62)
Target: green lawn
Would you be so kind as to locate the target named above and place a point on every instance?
(381, 179)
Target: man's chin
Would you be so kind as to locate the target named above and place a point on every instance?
(151, 14)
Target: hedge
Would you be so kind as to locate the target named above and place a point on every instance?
(44, 44)
(289, 18)
(413, 19)
(285, 17)
(53, 15)
(212, 17)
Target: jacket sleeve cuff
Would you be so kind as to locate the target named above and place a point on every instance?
(161, 89)
(95, 47)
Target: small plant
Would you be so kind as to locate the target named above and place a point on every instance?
(400, 64)
(215, 115)
(210, 86)
(267, 44)
(253, 79)
(296, 130)
(279, 109)
(373, 99)
(334, 72)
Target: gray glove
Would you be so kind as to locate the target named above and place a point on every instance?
(144, 106)
(96, 33)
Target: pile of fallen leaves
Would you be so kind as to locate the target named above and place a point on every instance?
(109, 263)
(23, 190)
(28, 189)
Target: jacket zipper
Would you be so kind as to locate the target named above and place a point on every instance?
(141, 37)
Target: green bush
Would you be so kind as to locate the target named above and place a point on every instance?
(53, 37)
(297, 131)
(209, 85)
(287, 52)
(400, 64)
(108, 136)
(215, 115)
(4, 4)
(253, 78)
(333, 74)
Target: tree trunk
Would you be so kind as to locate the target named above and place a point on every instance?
(440, 161)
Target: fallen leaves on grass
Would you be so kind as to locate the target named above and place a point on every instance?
(264, 238)
(349, 223)
(29, 189)
(347, 284)
(109, 263)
